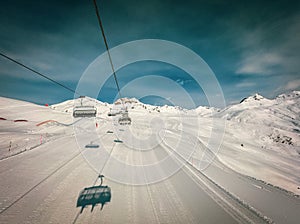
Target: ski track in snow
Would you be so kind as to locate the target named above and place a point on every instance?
(255, 176)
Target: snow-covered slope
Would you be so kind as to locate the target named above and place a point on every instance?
(25, 125)
(273, 124)
(68, 105)
(206, 111)
(262, 136)
(132, 104)
(262, 139)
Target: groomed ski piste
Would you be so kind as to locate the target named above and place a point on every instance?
(161, 169)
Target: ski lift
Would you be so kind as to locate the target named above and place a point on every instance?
(124, 110)
(92, 145)
(125, 119)
(84, 111)
(118, 141)
(112, 113)
(94, 195)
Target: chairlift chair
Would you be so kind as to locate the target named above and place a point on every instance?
(84, 111)
(125, 119)
(93, 196)
(118, 141)
(92, 145)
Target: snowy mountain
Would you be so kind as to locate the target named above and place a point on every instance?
(270, 123)
(104, 108)
(206, 111)
(261, 139)
(266, 120)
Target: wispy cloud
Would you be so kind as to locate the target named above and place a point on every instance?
(272, 48)
(245, 84)
(287, 86)
(292, 85)
(263, 63)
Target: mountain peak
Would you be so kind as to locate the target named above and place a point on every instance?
(256, 97)
(126, 100)
(291, 95)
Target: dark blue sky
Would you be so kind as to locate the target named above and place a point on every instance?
(252, 46)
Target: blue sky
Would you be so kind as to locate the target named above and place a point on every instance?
(251, 46)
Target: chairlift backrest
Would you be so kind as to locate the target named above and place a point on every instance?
(94, 195)
(125, 119)
(84, 111)
(92, 145)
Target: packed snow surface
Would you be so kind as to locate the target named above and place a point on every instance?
(261, 139)
(256, 164)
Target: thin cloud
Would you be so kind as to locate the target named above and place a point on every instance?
(272, 48)
(245, 84)
(261, 64)
(292, 85)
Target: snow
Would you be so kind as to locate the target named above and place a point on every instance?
(261, 141)
(261, 134)
(17, 137)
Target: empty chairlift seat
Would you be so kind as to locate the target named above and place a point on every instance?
(84, 111)
(92, 145)
(124, 119)
(93, 196)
